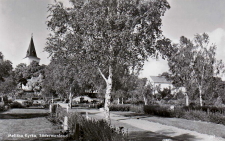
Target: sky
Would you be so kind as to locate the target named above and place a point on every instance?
(20, 18)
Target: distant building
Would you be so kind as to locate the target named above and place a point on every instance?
(31, 54)
(160, 82)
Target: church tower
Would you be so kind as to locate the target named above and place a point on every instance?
(31, 53)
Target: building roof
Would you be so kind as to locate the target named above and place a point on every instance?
(160, 79)
(31, 52)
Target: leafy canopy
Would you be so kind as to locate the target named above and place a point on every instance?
(105, 33)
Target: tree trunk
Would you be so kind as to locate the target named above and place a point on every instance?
(70, 98)
(200, 95)
(187, 99)
(145, 100)
(108, 95)
(118, 101)
(200, 86)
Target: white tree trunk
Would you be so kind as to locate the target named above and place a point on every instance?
(108, 93)
(200, 95)
(107, 101)
(145, 100)
(70, 98)
(118, 101)
(187, 99)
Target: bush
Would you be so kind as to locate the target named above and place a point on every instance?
(217, 118)
(119, 107)
(207, 109)
(81, 128)
(158, 111)
(100, 105)
(179, 102)
(195, 115)
(204, 113)
(178, 112)
(93, 130)
(16, 105)
(137, 108)
(54, 107)
(219, 101)
(2, 108)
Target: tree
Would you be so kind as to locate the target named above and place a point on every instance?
(33, 70)
(105, 34)
(19, 74)
(58, 79)
(8, 86)
(192, 64)
(7, 81)
(179, 63)
(144, 89)
(5, 67)
(63, 78)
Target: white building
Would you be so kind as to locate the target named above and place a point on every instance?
(160, 82)
(31, 54)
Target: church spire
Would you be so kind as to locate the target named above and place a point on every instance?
(31, 52)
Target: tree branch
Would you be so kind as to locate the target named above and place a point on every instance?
(102, 74)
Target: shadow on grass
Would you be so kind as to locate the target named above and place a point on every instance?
(22, 116)
(136, 115)
(148, 136)
(151, 136)
(186, 137)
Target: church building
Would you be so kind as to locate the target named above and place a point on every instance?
(31, 54)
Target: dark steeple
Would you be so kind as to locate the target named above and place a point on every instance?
(31, 50)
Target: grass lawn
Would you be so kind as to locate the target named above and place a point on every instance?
(27, 124)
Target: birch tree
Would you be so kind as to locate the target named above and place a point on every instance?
(193, 63)
(104, 34)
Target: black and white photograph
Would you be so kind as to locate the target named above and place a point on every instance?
(112, 70)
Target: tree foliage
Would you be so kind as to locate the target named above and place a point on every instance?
(7, 81)
(105, 34)
(193, 63)
(19, 73)
(5, 67)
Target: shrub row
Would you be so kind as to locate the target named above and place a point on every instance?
(158, 111)
(203, 116)
(119, 107)
(127, 107)
(210, 109)
(137, 108)
(3, 108)
(16, 105)
(209, 114)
